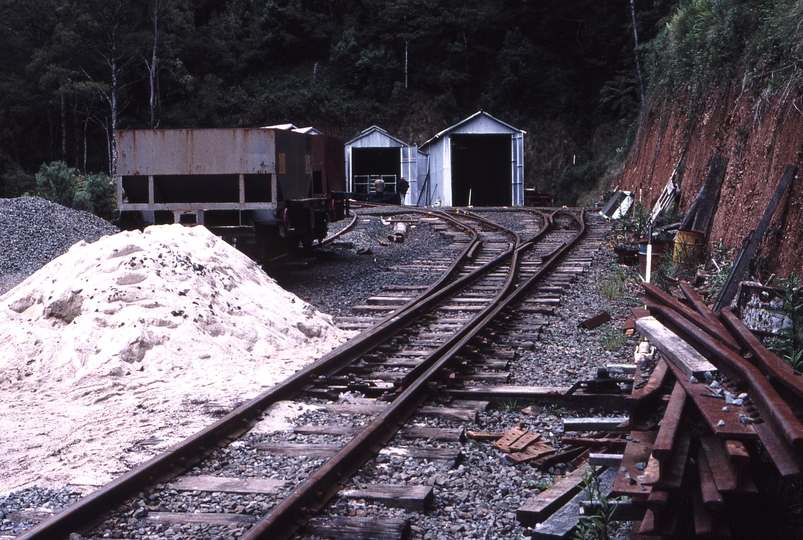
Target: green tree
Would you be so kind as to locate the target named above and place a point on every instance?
(102, 195)
(56, 183)
(168, 22)
(105, 37)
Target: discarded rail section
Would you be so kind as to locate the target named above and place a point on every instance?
(727, 401)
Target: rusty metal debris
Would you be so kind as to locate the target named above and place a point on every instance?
(747, 401)
(697, 438)
(596, 321)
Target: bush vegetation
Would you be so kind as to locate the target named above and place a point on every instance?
(788, 341)
(94, 193)
(708, 43)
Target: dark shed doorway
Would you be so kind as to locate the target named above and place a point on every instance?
(481, 164)
(367, 163)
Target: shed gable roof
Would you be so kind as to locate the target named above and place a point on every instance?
(376, 131)
(476, 120)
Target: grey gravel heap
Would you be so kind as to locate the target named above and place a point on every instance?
(34, 231)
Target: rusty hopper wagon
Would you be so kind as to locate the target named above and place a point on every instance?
(253, 187)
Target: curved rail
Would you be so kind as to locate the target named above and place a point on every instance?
(190, 451)
(310, 496)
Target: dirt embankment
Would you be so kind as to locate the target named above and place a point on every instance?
(760, 136)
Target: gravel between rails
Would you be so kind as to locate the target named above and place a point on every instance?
(478, 498)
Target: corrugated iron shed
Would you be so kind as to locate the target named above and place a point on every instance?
(481, 158)
(377, 154)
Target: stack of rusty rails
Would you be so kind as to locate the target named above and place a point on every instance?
(724, 397)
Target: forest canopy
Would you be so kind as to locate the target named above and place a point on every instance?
(569, 73)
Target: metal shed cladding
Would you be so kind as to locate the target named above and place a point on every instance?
(375, 154)
(478, 161)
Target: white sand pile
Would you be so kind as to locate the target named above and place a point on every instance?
(118, 349)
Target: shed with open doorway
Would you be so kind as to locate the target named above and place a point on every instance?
(476, 162)
(375, 154)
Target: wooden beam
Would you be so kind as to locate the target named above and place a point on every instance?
(562, 522)
(680, 353)
(413, 498)
(728, 290)
(549, 500)
(226, 485)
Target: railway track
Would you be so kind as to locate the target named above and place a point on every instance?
(424, 348)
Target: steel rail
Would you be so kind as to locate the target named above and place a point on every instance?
(350, 225)
(190, 451)
(715, 330)
(775, 368)
(514, 295)
(772, 407)
(309, 497)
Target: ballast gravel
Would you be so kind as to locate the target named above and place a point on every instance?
(34, 231)
(476, 499)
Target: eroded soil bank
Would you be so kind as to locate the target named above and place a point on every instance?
(760, 136)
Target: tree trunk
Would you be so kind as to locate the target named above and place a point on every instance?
(76, 131)
(86, 126)
(406, 47)
(63, 103)
(113, 103)
(635, 50)
(153, 67)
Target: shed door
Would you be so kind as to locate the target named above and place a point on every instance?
(481, 170)
(371, 163)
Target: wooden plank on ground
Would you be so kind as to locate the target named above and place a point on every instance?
(509, 392)
(202, 518)
(325, 451)
(485, 435)
(435, 434)
(359, 527)
(410, 497)
(549, 500)
(226, 485)
(451, 455)
(562, 523)
(675, 349)
(371, 409)
(315, 451)
(345, 431)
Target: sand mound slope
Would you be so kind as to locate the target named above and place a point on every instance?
(119, 348)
